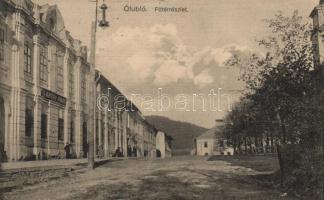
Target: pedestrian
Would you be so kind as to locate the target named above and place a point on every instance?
(67, 150)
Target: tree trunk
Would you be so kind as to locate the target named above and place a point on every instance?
(281, 165)
(245, 144)
(256, 144)
(250, 146)
(271, 138)
(235, 145)
(239, 145)
(283, 128)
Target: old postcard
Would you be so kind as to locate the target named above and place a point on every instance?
(161, 99)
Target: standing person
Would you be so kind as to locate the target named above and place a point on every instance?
(67, 150)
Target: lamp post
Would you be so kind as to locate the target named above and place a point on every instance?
(103, 23)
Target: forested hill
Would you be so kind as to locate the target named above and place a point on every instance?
(183, 133)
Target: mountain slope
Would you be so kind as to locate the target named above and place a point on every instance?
(183, 133)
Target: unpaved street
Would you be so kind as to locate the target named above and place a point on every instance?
(174, 178)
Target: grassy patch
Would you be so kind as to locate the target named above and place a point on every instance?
(257, 163)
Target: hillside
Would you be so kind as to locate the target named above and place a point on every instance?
(183, 133)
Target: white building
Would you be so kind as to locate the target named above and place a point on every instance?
(204, 144)
(212, 143)
(163, 145)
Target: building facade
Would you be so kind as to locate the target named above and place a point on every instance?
(212, 143)
(121, 129)
(49, 94)
(204, 144)
(45, 84)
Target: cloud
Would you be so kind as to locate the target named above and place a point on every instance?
(170, 71)
(157, 56)
(203, 79)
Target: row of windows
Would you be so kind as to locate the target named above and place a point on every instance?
(44, 67)
(29, 124)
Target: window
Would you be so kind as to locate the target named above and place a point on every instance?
(60, 129)
(29, 122)
(72, 131)
(43, 64)
(97, 132)
(102, 132)
(206, 144)
(43, 126)
(27, 58)
(83, 90)
(71, 81)
(2, 40)
(59, 71)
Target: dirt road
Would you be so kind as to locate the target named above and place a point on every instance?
(175, 179)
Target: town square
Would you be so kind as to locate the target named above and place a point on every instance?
(161, 99)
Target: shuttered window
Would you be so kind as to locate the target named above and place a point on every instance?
(72, 132)
(60, 129)
(43, 126)
(29, 122)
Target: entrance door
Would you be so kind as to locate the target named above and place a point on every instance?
(3, 156)
(85, 139)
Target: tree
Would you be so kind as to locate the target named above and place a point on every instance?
(282, 90)
(281, 83)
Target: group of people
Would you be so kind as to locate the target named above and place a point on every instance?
(132, 151)
(118, 153)
(69, 153)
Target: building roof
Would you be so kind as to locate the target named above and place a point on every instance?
(210, 134)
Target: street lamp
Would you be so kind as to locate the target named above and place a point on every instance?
(103, 23)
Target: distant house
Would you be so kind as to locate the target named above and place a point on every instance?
(204, 144)
(163, 145)
(212, 143)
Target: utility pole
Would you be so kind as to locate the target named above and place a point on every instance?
(103, 23)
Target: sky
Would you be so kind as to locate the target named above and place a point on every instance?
(172, 64)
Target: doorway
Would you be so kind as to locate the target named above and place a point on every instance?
(3, 156)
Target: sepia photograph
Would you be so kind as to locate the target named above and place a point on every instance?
(161, 99)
